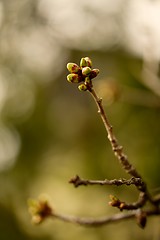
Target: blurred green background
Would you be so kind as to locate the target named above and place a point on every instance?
(50, 131)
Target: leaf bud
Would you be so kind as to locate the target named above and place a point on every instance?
(82, 87)
(115, 202)
(142, 219)
(74, 78)
(86, 71)
(73, 67)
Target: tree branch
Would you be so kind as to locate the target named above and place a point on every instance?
(40, 210)
(77, 181)
(92, 222)
(115, 202)
(117, 149)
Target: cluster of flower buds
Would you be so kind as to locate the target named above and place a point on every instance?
(39, 210)
(82, 74)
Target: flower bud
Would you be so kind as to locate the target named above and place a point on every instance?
(83, 62)
(39, 210)
(82, 87)
(86, 71)
(73, 78)
(87, 80)
(89, 62)
(86, 62)
(94, 73)
(73, 67)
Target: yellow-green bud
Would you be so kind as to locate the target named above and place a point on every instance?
(87, 80)
(89, 62)
(94, 73)
(82, 87)
(83, 62)
(73, 78)
(86, 71)
(115, 202)
(73, 67)
(86, 62)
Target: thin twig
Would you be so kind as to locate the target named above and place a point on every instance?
(77, 181)
(121, 205)
(118, 149)
(92, 222)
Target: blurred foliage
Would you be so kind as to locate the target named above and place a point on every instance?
(49, 131)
